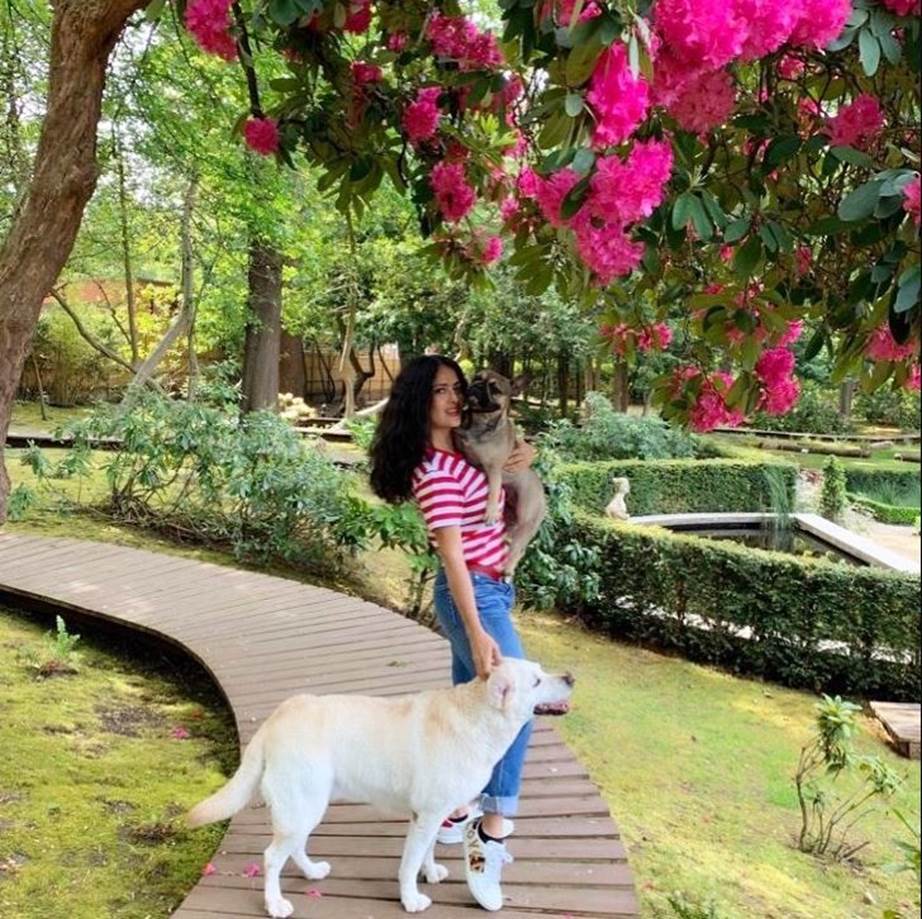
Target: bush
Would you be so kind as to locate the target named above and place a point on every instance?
(893, 486)
(816, 412)
(607, 434)
(896, 408)
(833, 498)
(681, 486)
(697, 595)
(885, 513)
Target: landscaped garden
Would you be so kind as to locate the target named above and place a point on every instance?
(689, 231)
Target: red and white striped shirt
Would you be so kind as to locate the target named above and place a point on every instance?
(452, 492)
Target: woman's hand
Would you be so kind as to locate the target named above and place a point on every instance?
(486, 653)
(521, 457)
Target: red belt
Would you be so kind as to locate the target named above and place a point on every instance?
(495, 573)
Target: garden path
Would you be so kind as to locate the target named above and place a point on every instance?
(264, 638)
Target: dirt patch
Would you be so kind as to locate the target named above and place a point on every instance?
(128, 720)
(148, 834)
(118, 807)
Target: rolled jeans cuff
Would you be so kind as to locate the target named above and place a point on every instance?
(505, 806)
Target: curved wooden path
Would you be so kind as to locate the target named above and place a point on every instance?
(264, 638)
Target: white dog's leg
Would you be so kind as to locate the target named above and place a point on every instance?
(274, 858)
(433, 872)
(420, 837)
(313, 871)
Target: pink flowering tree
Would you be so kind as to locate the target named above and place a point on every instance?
(746, 165)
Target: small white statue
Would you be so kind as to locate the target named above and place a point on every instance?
(617, 509)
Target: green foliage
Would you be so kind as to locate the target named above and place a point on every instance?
(893, 486)
(606, 434)
(816, 412)
(826, 816)
(681, 486)
(685, 908)
(57, 655)
(885, 513)
(911, 851)
(833, 497)
(892, 407)
(810, 623)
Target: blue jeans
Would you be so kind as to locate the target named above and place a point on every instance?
(494, 604)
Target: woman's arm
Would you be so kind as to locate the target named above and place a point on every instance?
(484, 649)
(522, 456)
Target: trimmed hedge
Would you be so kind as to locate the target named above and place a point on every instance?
(653, 582)
(681, 486)
(861, 481)
(886, 513)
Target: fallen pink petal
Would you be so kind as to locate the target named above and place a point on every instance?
(313, 892)
(208, 870)
(180, 733)
(252, 870)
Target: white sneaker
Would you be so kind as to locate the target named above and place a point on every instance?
(451, 832)
(483, 863)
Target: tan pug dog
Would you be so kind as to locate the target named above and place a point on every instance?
(487, 437)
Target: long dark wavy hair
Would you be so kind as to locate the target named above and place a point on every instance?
(403, 431)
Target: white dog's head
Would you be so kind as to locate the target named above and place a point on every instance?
(522, 688)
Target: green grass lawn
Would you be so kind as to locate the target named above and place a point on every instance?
(93, 780)
(29, 415)
(696, 766)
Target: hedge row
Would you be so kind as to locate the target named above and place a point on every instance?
(886, 513)
(693, 594)
(875, 480)
(684, 485)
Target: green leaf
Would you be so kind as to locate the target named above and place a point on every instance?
(633, 55)
(869, 51)
(781, 149)
(893, 50)
(583, 161)
(681, 210)
(908, 295)
(283, 12)
(555, 130)
(573, 104)
(574, 198)
(768, 237)
(581, 62)
(747, 257)
(860, 203)
(703, 226)
(715, 211)
(853, 156)
(153, 9)
(737, 229)
(815, 345)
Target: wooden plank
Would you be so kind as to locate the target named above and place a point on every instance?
(902, 722)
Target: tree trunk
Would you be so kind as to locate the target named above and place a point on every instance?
(264, 329)
(291, 365)
(186, 272)
(620, 387)
(563, 383)
(64, 175)
(126, 248)
(846, 394)
(580, 392)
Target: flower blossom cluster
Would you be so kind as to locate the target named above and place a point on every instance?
(705, 102)
(903, 7)
(618, 99)
(421, 117)
(779, 388)
(882, 346)
(364, 73)
(912, 193)
(359, 17)
(456, 38)
(454, 195)
(209, 21)
(710, 409)
(653, 338)
(562, 11)
(262, 135)
(857, 124)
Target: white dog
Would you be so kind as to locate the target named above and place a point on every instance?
(422, 754)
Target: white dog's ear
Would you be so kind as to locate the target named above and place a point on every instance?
(500, 688)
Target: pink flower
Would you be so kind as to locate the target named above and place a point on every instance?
(857, 124)
(774, 365)
(779, 398)
(803, 260)
(769, 24)
(550, 193)
(705, 103)
(209, 21)
(628, 191)
(882, 346)
(252, 870)
(453, 194)
(562, 11)
(509, 209)
(618, 99)
(208, 870)
(457, 38)
(359, 18)
(364, 73)
(790, 67)
(904, 7)
(421, 117)
(607, 251)
(914, 380)
(791, 333)
(397, 41)
(700, 33)
(529, 182)
(262, 135)
(911, 199)
(180, 733)
(492, 250)
(710, 409)
(820, 22)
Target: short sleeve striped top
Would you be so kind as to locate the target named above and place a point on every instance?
(452, 492)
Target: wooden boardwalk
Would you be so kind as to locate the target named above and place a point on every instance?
(264, 638)
(902, 721)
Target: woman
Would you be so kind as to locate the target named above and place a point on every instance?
(414, 456)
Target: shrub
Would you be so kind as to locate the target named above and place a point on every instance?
(805, 623)
(885, 513)
(816, 412)
(891, 407)
(681, 486)
(833, 498)
(607, 434)
(895, 486)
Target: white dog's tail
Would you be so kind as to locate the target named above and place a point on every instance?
(236, 794)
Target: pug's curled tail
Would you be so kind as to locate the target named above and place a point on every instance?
(236, 794)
